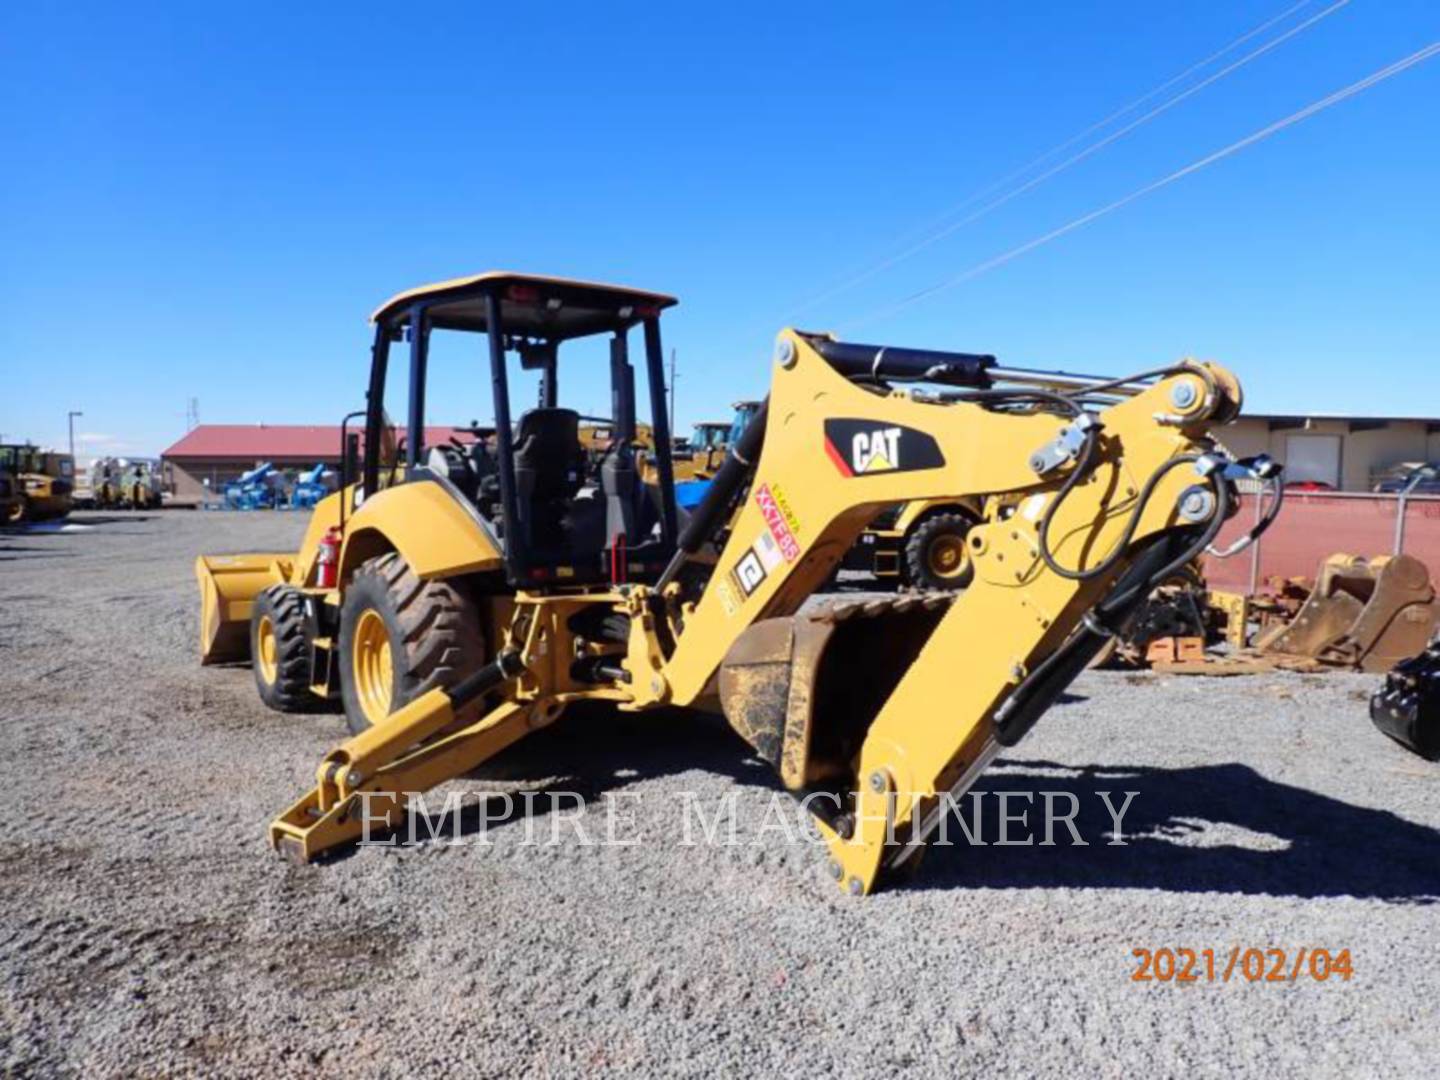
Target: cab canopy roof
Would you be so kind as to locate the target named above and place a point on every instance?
(530, 305)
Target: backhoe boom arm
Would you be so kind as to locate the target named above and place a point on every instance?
(890, 708)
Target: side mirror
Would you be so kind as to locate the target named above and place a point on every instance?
(350, 463)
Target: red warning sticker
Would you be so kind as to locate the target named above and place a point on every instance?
(778, 519)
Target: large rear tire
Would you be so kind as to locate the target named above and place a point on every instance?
(401, 637)
(280, 649)
(936, 554)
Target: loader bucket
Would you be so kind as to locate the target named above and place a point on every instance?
(229, 585)
(802, 691)
(1365, 614)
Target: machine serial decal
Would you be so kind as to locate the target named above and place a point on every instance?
(760, 560)
(749, 572)
(860, 448)
(779, 519)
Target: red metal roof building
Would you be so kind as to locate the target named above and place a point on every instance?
(211, 455)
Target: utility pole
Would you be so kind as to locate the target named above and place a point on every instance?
(192, 414)
(70, 420)
(672, 390)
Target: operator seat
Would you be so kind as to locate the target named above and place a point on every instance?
(549, 469)
(452, 463)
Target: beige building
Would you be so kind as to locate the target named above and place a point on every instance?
(1349, 453)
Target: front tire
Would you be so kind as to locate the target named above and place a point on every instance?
(280, 649)
(401, 637)
(936, 553)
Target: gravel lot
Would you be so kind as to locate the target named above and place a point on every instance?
(147, 928)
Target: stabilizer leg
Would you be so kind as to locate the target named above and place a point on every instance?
(336, 812)
(365, 782)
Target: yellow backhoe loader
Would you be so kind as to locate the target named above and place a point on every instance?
(451, 623)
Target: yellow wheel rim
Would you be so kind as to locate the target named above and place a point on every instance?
(266, 650)
(947, 556)
(371, 665)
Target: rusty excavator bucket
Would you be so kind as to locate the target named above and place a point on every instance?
(840, 663)
(1363, 613)
(229, 585)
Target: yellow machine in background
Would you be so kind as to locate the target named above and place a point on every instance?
(920, 544)
(700, 456)
(451, 627)
(44, 483)
(704, 452)
(10, 501)
(597, 436)
(105, 482)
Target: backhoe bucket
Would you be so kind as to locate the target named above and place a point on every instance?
(1366, 614)
(802, 691)
(229, 585)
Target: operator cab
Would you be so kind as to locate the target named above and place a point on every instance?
(710, 435)
(560, 514)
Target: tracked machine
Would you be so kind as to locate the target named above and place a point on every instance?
(457, 600)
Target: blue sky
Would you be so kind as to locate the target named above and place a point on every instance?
(206, 201)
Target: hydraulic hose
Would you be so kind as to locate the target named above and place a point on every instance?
(1212, 530)
(981, 397)
(1258, 530)
(1030, 699)
(1082, 468)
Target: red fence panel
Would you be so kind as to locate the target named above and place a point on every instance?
(1313, 525)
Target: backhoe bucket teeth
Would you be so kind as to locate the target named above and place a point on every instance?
(229, 585)
(1365, 614)
(802, 691)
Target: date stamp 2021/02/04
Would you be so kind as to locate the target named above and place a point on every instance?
(1240, 964)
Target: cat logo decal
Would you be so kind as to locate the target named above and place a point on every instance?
(862, 448)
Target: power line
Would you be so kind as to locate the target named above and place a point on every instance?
(1264, 133)
(932, 234)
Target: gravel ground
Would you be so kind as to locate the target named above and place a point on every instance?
(147, 928)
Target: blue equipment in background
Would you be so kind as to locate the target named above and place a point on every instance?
(255, 490)
(310, 487)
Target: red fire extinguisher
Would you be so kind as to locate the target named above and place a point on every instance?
(327, 558)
